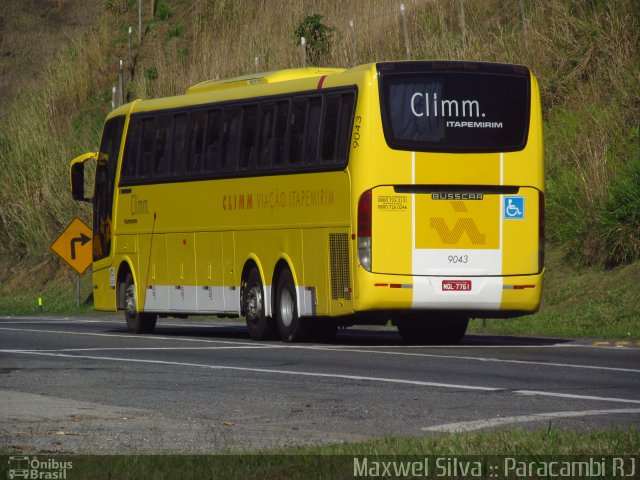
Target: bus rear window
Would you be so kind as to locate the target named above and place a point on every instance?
(451, 107)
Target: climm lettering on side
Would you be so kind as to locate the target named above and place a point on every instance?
(241, 201)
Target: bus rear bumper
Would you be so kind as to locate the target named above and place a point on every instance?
(482, 296)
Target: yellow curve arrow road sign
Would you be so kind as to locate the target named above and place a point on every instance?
(74, 245)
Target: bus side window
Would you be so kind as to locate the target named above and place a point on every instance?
(162, 153)
(213, 141)
(279, 149)
(267, 123)
(330, 128)
(231, 138)
(131, 148)
(194, 161)
(145, 159)
(248, 143)
(344, 129)
(179, 155)
(312, 133)
(298, 121)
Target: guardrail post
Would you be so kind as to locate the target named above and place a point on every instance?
(303, 51)
(121, 81)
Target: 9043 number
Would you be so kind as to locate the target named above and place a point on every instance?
(356, 131)
(458, 258)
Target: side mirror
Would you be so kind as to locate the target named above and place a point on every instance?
(77, 182)
(77, 177)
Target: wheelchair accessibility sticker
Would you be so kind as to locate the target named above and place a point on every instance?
(514, 208)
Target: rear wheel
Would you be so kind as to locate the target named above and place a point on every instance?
(137, 322)
(286, 309)
(260, 327)
(424, 330)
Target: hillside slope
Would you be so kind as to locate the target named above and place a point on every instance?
(585, 55)
(32, 32)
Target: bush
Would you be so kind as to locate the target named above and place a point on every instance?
(620, 218)
(163, 12)
(317, 35)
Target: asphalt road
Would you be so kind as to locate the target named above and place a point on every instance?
(86, 385)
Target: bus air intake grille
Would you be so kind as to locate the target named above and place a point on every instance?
(340, 277)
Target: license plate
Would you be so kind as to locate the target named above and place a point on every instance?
(456, 285)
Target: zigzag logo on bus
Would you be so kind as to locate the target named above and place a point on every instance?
(462, 225)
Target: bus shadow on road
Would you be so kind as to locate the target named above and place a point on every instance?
(353, 336)
(390, 337)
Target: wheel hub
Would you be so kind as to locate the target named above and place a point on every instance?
(130, 300)
(286, 308)
(254, 304)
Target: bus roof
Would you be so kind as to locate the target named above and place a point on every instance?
(262, 78)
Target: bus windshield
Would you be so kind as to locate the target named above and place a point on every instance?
(447, 108)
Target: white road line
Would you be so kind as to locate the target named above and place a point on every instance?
(131, 336)
(536, 417)
(326, 375)
(482, 359)
(49, 320)
(69, 320)
(499, 343)
(542, 393)
(139, 349)
(437, 347)
(261, 370)
(239, 344)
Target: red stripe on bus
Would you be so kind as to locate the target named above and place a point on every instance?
(321, 81)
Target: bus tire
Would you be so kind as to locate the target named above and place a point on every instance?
(438, 331)
(289, 323)
(137, 322)
(260, 327)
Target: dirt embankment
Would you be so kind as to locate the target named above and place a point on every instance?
(29, 275)
(31, 33)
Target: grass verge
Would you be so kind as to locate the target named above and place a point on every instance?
(579, 303)
(337, 460)
(55, 300)
(27, 281)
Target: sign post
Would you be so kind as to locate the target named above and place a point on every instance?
(74, 246)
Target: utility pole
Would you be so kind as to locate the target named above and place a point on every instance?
(525, 35)
(407, 46)
(463, 23)
(139, 21)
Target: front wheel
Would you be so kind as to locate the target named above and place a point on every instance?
(137, 322)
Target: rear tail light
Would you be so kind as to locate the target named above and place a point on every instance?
(540, 231)
(364, 230)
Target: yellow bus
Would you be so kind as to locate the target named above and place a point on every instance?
(309, 199)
